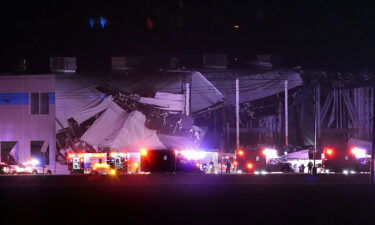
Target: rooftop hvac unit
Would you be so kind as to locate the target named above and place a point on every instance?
(267, 61)
(121, 63)
(215, 61)
(63, 64)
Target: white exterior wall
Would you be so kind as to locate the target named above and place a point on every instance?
(16, 121)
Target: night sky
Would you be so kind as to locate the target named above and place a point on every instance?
(309, 33)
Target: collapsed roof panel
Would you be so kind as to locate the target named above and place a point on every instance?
(76, 93)
(203, 92)
(253, 85)
(132, 135)
(106, 125)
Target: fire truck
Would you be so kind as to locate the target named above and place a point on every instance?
(250, 161)
(350, 159)
(183, 161)
(118, 161)
(99, 163)
(260, 160)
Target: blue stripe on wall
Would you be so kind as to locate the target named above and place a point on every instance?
(51, 98)
(21, 98)
(14, 98)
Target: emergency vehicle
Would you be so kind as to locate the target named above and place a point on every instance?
(118, 161)
(351, 159)
(89, 163)
(249, 161)
(183, 161)
(4, 168)
(31, 166)
(260, 160)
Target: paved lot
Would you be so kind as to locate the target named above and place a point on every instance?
(156, 179)
(186, 199)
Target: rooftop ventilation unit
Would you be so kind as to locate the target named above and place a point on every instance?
(267, 61)
(215, 61)
(63, 64)
(122, 63)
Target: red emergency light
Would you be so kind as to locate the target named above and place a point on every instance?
(143, 152)
(250, 166)
(329, 151)
(240, 152)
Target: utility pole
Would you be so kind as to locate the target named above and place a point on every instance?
(373, 135)
(224, 141)
(286, 112)
(187, 98)
(237, 114)
(237, 118)
(316, 122)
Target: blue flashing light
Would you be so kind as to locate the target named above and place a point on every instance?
(103, 21)
(92, 22)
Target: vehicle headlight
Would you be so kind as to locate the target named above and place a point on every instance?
(4, 169)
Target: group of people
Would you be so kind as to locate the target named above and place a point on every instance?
(301, 168)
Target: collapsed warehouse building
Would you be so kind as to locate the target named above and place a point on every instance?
(326, 107)
(148, 109)
(125, 112)
(129, 111)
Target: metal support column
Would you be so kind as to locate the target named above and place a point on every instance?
(316, 122)
(286, 112)
(237, 114)
(187, 99)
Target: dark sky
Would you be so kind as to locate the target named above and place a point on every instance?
(308, 32)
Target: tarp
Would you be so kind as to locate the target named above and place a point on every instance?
(301, 155)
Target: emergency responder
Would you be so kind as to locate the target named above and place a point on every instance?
(227, 170)
(309, 166)
(211, 165)
(302, 168)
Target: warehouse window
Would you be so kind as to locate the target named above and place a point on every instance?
(40, 150)
(44, 107)
(34, 103)
(39, 103)
(9, 152)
